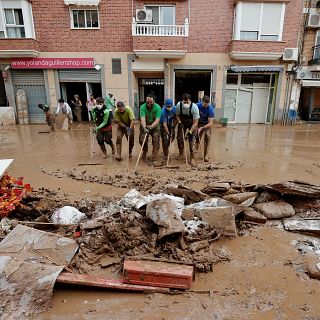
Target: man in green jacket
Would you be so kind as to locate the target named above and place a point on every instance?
(102, 118)
(109, 102)
(124, 118)
(150, 113)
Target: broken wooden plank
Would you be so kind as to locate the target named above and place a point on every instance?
(89, 164)
(101, 282)
(158, 274)
(310, 227)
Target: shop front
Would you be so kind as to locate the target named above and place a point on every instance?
(309, 103)
(250, 94)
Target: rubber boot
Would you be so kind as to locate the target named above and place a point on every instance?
(118, 157)
(192, 162)
(206, 149)
(113, 148)
(144, 155)
(181, 155)
(104, 150)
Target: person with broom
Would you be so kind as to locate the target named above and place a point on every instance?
(206, 112)
(103, 120)
(187, 114)
(150, 113)
(167, 125)
(124, 118)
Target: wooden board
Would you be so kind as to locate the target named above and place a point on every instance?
(4, 165)
(101, 282)
(159, 274)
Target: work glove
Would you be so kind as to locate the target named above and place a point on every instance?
(129, 131)
(188, 134)
(146, 130)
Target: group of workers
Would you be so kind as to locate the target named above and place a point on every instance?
(192, 122)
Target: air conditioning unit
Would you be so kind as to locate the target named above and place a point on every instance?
(143, 15)
(290, 54)
(314, 20)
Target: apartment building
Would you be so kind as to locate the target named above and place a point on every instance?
(237, 52)
(306, 87)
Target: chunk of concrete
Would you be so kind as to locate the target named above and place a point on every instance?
(165, 214)
(310, 227)
(196, 246)
(240, 197)
(254, 216)
(221, 218)
(275, 209)
(267, 197)
(187, 214)
(313, 265)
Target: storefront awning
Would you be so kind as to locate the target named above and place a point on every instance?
(310, 83)
(82, 2)
(256, 68)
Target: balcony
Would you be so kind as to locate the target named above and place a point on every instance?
(256, 50)
(19, 47)
(160, 41)
(315, 61)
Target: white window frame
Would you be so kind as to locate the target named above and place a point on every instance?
(163, 5)
(238, 17)
(26, 8)
(15, 25)
(85, 8)
(315, 43)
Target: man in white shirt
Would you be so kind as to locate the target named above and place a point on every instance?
(187, 114)
(64, 109)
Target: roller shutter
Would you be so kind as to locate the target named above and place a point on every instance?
(93, 76)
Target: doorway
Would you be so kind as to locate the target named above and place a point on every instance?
(3, 95)
(84, 90)
(196, 83)
(151, 86)
(249, 97)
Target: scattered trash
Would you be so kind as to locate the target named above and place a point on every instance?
(67, 215)
(158, 274)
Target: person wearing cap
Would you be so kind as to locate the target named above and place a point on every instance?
(206, 112)
(167, 125)
(124, 118)
(150, 114)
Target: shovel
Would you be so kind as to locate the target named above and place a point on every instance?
(143, 143)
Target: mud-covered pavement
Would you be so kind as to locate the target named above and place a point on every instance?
(263, 280)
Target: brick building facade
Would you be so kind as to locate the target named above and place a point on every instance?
(230, 50)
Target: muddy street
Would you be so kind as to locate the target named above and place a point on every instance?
(262, 273)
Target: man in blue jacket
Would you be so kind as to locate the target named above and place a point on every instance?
(206, 111)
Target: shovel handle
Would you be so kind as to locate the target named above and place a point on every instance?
(143, 143)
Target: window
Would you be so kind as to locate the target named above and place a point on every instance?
(259, 21)
(163, 15)
(116, 66)
(316, 51)
(85, 19)
(14, 23)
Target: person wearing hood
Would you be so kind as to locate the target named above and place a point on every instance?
(187, 114)
(124, 118)
(103, 120)
(167, 125)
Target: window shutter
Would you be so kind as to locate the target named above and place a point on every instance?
(116, 66)
(250, 20)
(271, 18)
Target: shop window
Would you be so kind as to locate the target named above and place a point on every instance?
(255, 78)
(259, 21)
(14, 23)
(162, 15)
(85, 19)
(116, 66)
(232, 78)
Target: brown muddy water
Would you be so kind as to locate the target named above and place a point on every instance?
(262, 281)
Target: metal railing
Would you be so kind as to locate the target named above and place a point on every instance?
(316, 55)
(152, 30)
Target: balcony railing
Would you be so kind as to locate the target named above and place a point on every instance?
(316, 56)
(152, 30)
